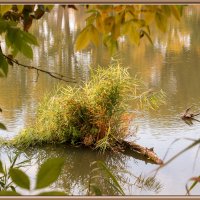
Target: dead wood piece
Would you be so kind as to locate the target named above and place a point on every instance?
(144, 151)
(188, 115)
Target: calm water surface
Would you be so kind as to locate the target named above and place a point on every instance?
(172, 64)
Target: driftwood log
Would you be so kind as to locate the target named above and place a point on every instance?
(143, 151)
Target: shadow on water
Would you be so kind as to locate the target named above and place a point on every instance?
(77, 169)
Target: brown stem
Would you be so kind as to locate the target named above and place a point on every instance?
(52, 74)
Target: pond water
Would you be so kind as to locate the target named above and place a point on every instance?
(172, 64)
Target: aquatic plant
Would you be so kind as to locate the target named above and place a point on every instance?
(96, 114)
(102, 181)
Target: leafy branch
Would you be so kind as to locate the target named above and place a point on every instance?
(107, 23)
(47, 174)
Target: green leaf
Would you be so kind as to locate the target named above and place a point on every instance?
(3, 127)
(26, 50)
(20, 178)
(1, 168)
(19, 41)
(2, 184)
(29, 38)
(10, 36)
(49, 172)
(3, 26)
(52, 193)
(3, 65)
(83, 39)
(9, 193)
(161, 21)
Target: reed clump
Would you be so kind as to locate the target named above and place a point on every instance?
(95, 114)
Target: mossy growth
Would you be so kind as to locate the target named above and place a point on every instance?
(95, 114)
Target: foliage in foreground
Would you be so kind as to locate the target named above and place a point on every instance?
(15, 22)
(13, 177)
(102, 180)
(96, 114)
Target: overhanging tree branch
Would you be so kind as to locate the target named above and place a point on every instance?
(52, 74)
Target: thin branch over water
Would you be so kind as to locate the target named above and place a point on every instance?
(52, 74)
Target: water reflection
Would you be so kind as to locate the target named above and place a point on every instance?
(171, 64)
(77, 169)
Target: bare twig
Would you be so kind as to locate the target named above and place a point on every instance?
(52, 74)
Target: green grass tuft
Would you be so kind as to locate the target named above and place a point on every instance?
(95, 114)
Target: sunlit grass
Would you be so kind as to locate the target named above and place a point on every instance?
(96, 114)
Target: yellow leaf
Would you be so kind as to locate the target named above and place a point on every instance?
(116, 31)
(91, 19)
(99, 23)
(94, 35)
(166, 10)
(48, 8)
(104, 14)
(134, 36)
(128, 16)
(130, 8)
(175, 12)
(82, 40)
(161, 21)
(105, 7)
(108, 24)
(149, 17)
(20, 8)
(120, 17)
(131, 29)
(118, 8)
(111, 44)
(125, 28)
(5, 8)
